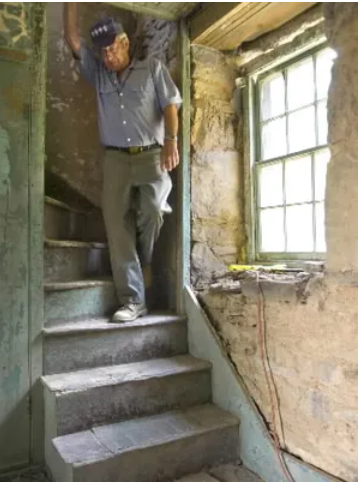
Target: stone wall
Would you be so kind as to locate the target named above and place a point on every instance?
(311, 336)
(342, 191)
(215, 164)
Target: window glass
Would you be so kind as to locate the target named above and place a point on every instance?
(320, 227)
(272, 230)
(300, 82)
(273, 97)
(291, 162)
(271, 185)
(298, 186)
(322, 123)
(299, 228)
(324, 63)
(273, 139)
(302, 134)
(321, 162)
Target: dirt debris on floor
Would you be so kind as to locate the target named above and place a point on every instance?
(37, 474)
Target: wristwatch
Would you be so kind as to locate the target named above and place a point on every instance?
(170, 137)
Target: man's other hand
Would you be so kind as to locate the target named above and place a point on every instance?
(169, 156)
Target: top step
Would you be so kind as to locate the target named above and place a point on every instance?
(63, 222)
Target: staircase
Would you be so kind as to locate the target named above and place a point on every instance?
(123, 402)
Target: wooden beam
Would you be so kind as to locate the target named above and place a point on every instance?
(209, 15)
(239, 22)
(164, 10)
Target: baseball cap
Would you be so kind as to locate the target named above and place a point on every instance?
(104, 32)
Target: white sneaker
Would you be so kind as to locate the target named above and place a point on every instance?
(129, 312)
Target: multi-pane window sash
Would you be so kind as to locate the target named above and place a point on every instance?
(291, 158)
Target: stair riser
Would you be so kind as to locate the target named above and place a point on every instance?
(71, 264)
(90, 350)
(62, 224)
(74, 303)
(163, 462)
(108, 404)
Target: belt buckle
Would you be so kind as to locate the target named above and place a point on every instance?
(133, 150)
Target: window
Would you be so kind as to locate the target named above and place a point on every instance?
(291, 158)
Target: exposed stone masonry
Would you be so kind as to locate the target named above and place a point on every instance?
(312, 340)
(215, 165)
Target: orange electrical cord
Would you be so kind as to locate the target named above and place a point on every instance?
(267, 370)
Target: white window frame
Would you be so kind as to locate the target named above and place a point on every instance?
(253, 105)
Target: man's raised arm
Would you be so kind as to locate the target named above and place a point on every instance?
(70, 27)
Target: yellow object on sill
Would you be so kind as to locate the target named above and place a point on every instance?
(244, 268)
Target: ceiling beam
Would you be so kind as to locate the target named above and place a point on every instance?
(164, 10)
(225, 26)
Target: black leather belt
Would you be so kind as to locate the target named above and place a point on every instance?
(133, 150)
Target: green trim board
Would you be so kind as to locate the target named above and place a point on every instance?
(22, 115)
(36, 229)
(15, 87)
(183, 251)
(229, 393)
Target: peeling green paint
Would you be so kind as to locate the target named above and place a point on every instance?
(11, 383)
(5, 161)
(17, 84)
(14, 31)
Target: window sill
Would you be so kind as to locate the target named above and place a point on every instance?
(289, 287)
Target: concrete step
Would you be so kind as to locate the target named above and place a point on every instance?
(69, 300)
(158, 448)
(63, 222)
(79, 400)
(88, 343)
(234, 472)
(201, 477)
(73, 260)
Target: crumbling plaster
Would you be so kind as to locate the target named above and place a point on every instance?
(312, 341)
(215, 164)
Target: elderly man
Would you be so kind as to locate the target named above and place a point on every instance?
(138, 122)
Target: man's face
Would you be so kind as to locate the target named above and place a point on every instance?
(116, 56)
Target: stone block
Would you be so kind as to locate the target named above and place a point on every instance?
(85, 298)
(64, 223)
(115, 393)
(75, 261)
(215, 187)
(147, 450)
(234, 473)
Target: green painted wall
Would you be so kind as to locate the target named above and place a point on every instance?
(21, 166)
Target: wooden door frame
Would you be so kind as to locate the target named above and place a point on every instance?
(183, 200)
(37, 121)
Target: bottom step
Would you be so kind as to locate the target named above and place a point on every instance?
(158, 448)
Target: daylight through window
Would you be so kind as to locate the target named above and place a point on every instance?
(292, 157)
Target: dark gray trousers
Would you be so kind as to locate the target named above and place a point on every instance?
(135, 193)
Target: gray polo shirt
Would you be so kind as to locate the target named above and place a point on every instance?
(130, 109)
